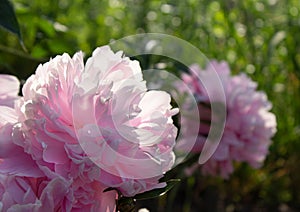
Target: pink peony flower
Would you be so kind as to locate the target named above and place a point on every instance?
(132, 128)
(9, 89)
(249, 124)
(13, 159)
(33, 194)
(24, 186)
(96, 126)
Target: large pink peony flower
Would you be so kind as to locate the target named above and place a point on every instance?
(249, 124)
(9, 89)
(97, 125)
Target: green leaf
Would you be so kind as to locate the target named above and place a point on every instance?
(157, 192)
(8, 19)
(127, 204)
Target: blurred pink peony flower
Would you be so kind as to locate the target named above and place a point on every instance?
(249, 124)
(9, 89)
(96, 126)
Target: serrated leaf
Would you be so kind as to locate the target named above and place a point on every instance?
(157, 192)
(8, 18)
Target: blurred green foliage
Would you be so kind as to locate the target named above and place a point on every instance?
(259, 37)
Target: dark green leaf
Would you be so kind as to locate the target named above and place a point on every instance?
(157, 192)
(109, 189)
